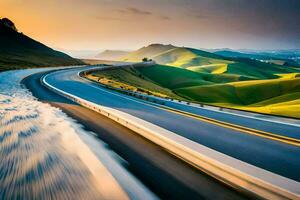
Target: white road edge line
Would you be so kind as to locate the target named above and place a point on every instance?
(226, 112)
(117, 177)
(227, 169)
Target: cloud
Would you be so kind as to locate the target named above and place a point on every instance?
(134, 11)
(138, 11)
(163, 17)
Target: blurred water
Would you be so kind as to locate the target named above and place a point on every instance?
(41, 155)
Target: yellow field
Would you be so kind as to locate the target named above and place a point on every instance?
(212, 68)
(279, 96)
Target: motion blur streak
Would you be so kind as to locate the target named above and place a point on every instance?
(41, 153)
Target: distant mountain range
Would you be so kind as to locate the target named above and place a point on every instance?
(20, 51)
(288, 57)
(111, 55)
(80, 54)
(178, 56)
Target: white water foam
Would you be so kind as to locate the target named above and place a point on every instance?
(41, 153)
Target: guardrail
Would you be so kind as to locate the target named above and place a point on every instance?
(161, 100)
(237, 174)
(138, 94)
(165, 103)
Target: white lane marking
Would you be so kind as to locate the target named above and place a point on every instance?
(89, 83)
(133, 187)
(224, 112)
(209, 158)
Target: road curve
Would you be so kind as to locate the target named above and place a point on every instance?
(162, 172)
(276, 157)
(266, 123)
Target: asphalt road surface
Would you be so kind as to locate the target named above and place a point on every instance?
(163, 173)
(274, 156)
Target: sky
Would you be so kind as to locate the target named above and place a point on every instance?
(131, 24)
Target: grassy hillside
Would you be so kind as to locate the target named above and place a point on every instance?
(279, 96)
(242, 93)
(205, 77)
(187, 57)
(19, 51)
(272, 96)
(130, 79)
(175, 56)
(148, 52)
(234, 69)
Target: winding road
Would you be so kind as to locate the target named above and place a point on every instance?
(159, 170)
(271, 155)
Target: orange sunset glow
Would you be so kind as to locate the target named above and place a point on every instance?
(95, 24)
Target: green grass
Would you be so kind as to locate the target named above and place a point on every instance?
(242, 93)
(172, 77)
(275, 96)
(247, 70)
(211, 68)
(204, 77)
(175, 56)
(131, 79)
(186, 57)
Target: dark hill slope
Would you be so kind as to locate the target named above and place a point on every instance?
(19, 51)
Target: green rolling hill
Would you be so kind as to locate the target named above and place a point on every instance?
(201, 76)
(186, 57)
(19, 51)
(175, 56)
(149, 52)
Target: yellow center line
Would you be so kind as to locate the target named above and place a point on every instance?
(272, 136)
